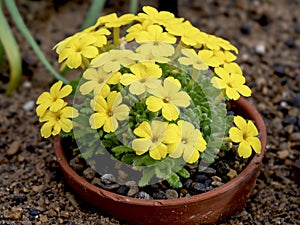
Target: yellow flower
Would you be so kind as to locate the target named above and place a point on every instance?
(100, 36)
(211, 58)
(246, 135)
(192, 59)
(151, 14)
(151, 139)
(189, 141)
(145, 76)
(108, 112)
(217, 43)
(78, 50)
(168, 97)
(229, 68)
(97, 81)
(112, 60)
(232, 83)
(147, 56)
(155, 41)
(57, 121)
(134, 31)
(112, 20)
(53, 100)
(188, 33)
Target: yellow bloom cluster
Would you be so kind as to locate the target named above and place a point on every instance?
(134, 63)
(53, 110)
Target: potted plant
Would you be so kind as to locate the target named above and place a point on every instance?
(154, 113)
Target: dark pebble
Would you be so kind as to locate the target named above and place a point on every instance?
(20, 198)
(2, 144)
(199, 187)
(297, 29)
(32, 217)
(279, 70)
(201, 178)
(143, 195)
(2, 90)
(268, 114)
(264, 20)
(159, 195)
(222, 168)
(188, 183)
(35, 212)
(123, 190)
(245, 29)
(296, 101)
(108, 178)
(207, 182)
(289, 121)
(290, 43)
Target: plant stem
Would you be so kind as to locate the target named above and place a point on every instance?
(219, 97)
(12, 51)
(93, 13)
(133, 6)
(116, 33)
(12, 8)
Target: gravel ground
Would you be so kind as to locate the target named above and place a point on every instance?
(267, 33)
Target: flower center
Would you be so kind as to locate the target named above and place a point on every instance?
(143, 80)
(110, 113)
(183, 141)
(166, 100)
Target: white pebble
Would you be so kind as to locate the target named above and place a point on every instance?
(28, 105)
(260, 49)
(27, 84)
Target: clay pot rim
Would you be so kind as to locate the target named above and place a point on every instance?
(255, 162)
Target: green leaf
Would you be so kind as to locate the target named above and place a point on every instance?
(174, 181)
(144, 160)
(119, 150)
(128, 158)
(147, 175)
(184, 173)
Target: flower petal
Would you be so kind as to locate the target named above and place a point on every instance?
(244, 149)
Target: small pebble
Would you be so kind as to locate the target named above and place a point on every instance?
(283, 154)
(13, 148)
(290, 43)
(108, 178)
(264, 20)
(232, 173)
(279, 70)
(14, 213)
(171, 194)
(216, 183)
(296, 101)
(143, 195)
(64, 214)
(201, 178)
(123, 190)
(295, 137)
(133, 190)
(96, 181)
(245, 29)
(28, 105)
(188, 183)
(260, 49)
(89, 173)
(297, 29)
(216, 178)
(199, 187)
(289, 121)
(159, 195)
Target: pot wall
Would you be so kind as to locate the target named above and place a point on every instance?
(206, 208)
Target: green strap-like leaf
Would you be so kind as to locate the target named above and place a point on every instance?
(12, 8)
(12, 51)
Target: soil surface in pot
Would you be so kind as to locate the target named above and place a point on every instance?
(114, 176)
(267, 34)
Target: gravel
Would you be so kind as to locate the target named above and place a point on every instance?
(32, 188)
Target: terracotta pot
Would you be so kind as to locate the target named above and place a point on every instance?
(207, 208)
